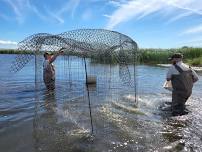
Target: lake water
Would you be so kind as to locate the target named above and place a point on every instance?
(60, 121)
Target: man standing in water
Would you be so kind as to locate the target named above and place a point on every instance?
(49, 69)
(182, 78)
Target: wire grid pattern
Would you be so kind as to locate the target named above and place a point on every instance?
(113, 81)
(83, 41)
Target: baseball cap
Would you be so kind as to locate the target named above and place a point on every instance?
(176, 55)
(47, 53)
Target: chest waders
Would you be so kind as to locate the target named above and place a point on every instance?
(49, 77)
(182, 90)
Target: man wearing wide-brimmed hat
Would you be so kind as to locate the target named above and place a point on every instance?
(49, 70)
(182, 78)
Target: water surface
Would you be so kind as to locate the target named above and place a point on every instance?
(60, 120)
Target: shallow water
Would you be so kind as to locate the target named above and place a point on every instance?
(60, 121)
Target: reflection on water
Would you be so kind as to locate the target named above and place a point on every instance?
(59, 120)
(48, 134)
(52, 134)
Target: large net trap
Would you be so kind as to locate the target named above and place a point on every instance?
(95, 77)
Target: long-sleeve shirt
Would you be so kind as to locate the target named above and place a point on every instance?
(173, 71)
(48, 70)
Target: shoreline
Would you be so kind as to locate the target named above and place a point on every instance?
(195, 68)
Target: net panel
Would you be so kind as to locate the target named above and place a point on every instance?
(74, 108)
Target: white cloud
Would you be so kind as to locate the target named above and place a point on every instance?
(115, 3)
(193, 6)
(177, 17)
(137, 9)
(108, 16)
(193, 30)
(35, 10)
(68, 7)
(8, 42)
(22, 7)
(54, 16)
(17, 8)
(133, 9)
(74, 6)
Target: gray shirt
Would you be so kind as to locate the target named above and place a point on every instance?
(48, 70)
(173, 71)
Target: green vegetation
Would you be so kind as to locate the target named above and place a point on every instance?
(13, 51)
(192, 56)
(195, 62)
(102, 57)
(107, 57)
(154, 56)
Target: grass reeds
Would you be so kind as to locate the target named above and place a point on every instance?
(154, 56)
(13, 51)
(192, 56)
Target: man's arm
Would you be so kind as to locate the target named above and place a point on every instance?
(56, 55)
(169, 74)
(195, 76)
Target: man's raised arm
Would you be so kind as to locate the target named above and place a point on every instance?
(56, 55)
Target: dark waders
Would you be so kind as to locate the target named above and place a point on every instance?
(182, 89)
(50, 83)
(49, 77)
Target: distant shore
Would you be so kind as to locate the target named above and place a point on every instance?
(196, 68)
(151, 56)
(14, 51)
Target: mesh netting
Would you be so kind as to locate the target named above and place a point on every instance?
(107, 56)
(97, 42)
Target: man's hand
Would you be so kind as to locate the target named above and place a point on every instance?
(168, 79)
(61, 50)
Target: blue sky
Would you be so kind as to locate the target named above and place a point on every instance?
(151, 23)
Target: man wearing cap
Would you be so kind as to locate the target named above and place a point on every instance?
(49, 69)
(182, 78)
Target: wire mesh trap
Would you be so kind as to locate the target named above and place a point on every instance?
(96, 73)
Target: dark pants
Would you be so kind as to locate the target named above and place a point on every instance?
(50, 84)
(178, 104)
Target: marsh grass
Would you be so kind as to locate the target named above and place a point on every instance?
(153, 56)
(13, 51)
(195, 61)
(192, 56)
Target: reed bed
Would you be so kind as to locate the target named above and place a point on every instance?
(192, 56)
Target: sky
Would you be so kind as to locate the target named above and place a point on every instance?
(150, 23)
